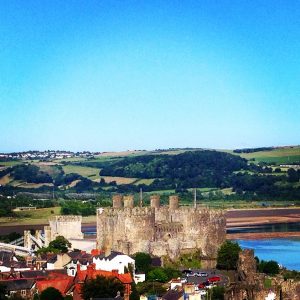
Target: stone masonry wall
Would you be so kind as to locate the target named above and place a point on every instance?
(161, 230)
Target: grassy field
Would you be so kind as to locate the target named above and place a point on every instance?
(88, 172)
(10, 163)
(118, 180)
(38, 216)
(5, 180)
(281, 155)
(144, 181)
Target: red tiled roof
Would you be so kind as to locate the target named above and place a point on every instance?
(92, 273)
(61, 284)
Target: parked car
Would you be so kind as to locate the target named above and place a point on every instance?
(202, 274)
(188, 273)
(214, 279)
(202, 286)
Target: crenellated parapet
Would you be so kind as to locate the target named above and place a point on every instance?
(160, 230)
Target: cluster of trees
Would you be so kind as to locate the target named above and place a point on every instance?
(252, 150)
(293, 175)
(195, 168)
(78, 208)
(270, 267)
(228, 255)
(7, 204)
(31, 174)
(155, 276)
(59, 245)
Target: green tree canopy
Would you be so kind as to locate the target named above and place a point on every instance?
(2, 291)
(270, 267)
(142, 261)
(228, 255)
(51, 293)
(59, 245)
(101, 287)
(158, 274)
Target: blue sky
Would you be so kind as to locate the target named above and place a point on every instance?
(119, 75)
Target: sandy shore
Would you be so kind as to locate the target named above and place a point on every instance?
(262, 235)
(248, 217)
(241, 218)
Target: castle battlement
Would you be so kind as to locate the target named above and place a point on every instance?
(66, 218)
(160, 230)
(127, 211)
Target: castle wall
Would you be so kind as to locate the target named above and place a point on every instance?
(67, 226)
(161, 230)
(126, 230)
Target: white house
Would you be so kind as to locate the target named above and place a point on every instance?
(114, 261)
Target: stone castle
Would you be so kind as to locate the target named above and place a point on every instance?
(160, 230)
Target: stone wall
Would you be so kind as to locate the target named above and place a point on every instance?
(160, 230)
(67, 226)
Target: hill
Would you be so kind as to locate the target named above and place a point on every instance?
(227, 174)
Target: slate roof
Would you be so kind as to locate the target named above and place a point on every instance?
(18, 284)
(111, 256)
(41, 273)
(173, 294)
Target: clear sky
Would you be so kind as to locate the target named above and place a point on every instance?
(119, 75)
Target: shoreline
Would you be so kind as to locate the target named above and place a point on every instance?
(235, 218)
(262, 235)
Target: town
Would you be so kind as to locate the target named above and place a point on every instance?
(62, 261)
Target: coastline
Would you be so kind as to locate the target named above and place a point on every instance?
(247, 218)
(262, 235)
(235, 219)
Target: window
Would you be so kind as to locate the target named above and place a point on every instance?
(23, 292)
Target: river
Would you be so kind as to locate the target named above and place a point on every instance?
(283, 250)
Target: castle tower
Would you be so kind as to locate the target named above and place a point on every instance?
(117, 201)
(173, 202)
(155, 201)
(129, 201)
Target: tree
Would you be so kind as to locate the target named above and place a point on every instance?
(59, 245)
(270, 267)
(134, 295)
(101, 287)
(2, 291)
(228, 255)
(142, 262)
(158, 274)
(293, 175)
(217, 293)
(151, 288)
(51, 293)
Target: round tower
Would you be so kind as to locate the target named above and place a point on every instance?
(155, 201)
(173, 202)
(117, 201)
(128, 201)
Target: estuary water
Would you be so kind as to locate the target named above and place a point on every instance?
(286, 251)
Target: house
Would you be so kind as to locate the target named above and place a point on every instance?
(58, 261)
(8, 262)
(21, 286)
(114, 261)
(91, 273)
(78, 258)
(176, 294)
(139, 277)
(61, 282)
